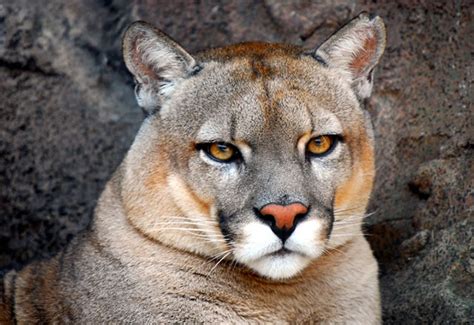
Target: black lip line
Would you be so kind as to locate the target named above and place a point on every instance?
(285, 250)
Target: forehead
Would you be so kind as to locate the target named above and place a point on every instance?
(261, 89)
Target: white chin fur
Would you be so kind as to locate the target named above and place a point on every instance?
(259, 242)
(279, 267)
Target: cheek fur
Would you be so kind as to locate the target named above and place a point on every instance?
(308, 238)
(354, 193)
(256, 240)
(212, 177)
(328, 170)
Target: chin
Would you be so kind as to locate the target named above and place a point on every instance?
(280, 266)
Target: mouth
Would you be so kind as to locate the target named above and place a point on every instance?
(281, 252)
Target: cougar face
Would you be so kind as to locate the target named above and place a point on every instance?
(255, 153)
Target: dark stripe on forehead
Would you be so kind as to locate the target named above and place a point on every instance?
(260, 69)
(261, 72)
(232, 126)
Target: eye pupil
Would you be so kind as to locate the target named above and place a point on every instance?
(320, 145)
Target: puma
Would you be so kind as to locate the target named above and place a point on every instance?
(240, 200)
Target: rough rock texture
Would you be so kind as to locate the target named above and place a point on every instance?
(68, 116)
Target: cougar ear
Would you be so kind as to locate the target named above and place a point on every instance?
(157, 62)
(355, 49)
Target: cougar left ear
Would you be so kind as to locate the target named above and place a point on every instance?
(157, 62)
(354, 50)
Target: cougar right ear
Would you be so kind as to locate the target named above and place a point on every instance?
(355, 50)
(157, 62)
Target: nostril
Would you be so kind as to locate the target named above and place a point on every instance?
(267, 218)
(301, 216)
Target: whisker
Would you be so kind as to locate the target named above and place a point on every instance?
(214, 267)
(351, 222)
(349, 213)
(214, 257)
(200, 234)
(333, 250)
(345, 226)
(349, 209)
(233, 264)
(178, 223)
(351, 218)
(190, 220)
(349, 235)
(347, 216)
(185, 229)
(365, 215)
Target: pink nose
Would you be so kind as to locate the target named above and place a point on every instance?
(284, 215)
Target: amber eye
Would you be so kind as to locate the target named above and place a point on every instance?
(222, 152)
(320, 145)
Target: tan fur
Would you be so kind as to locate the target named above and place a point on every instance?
(163, 243)
(227, 293)
(359, 186)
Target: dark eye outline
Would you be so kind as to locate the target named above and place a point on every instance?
(206, 147)
(335, 139)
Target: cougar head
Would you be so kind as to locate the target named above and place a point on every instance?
(258, 153)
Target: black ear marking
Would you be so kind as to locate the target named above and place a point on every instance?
(319, 59)
(196, 69)
(313, 54)
(370, 75)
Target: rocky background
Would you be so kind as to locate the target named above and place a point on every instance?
(68, 115)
